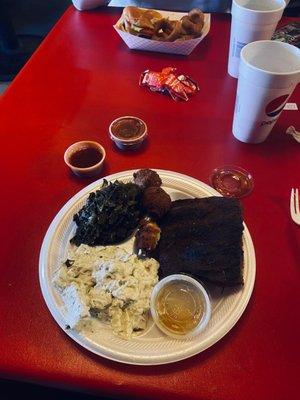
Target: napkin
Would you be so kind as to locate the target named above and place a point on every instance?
(292, 131)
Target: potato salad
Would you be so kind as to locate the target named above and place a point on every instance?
(109, 283)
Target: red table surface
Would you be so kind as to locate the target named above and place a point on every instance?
(80, 79)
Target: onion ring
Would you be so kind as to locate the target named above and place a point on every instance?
(196, 16)
(190, 27)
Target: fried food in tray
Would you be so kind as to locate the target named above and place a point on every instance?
(150, 24)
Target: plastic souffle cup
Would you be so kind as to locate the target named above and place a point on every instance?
(180, 306)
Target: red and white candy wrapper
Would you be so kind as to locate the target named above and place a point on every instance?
(180, 87)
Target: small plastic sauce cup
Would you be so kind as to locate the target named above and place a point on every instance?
(128, 132)
(85, 158)
(180, 306)
(232, 181)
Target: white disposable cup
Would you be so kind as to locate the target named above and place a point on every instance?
(269, 72)
(88, 4)
(252, 20)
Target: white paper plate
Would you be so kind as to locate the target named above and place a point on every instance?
(152, 347)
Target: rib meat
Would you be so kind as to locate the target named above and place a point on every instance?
(203, 237)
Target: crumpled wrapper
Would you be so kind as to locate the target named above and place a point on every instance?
(179, 86)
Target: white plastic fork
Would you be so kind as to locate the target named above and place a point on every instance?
(294, 206)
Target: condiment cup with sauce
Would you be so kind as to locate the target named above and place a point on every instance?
(128, 132)
(180, 306)
(85, 158)
(232, 181)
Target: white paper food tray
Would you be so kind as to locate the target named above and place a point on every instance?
(184, 47)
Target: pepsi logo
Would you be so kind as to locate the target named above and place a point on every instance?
(275, 106)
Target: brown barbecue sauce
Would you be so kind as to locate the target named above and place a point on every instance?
(128, 128)
(86, 157)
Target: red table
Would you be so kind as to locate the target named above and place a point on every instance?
(80, 79)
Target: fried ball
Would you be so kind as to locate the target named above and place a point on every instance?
(156, 201)
(146, 178)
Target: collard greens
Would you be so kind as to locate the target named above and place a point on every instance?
(109, 216)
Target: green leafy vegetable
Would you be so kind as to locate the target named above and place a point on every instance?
(109, 216)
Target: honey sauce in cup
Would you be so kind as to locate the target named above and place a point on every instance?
(180, 306)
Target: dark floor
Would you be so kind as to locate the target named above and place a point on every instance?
(23, 26)
(10, 390)
(35, 17)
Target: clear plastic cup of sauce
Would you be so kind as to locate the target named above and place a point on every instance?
(85, 158)
(128, 132)
(180, 306)
(232, 181)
